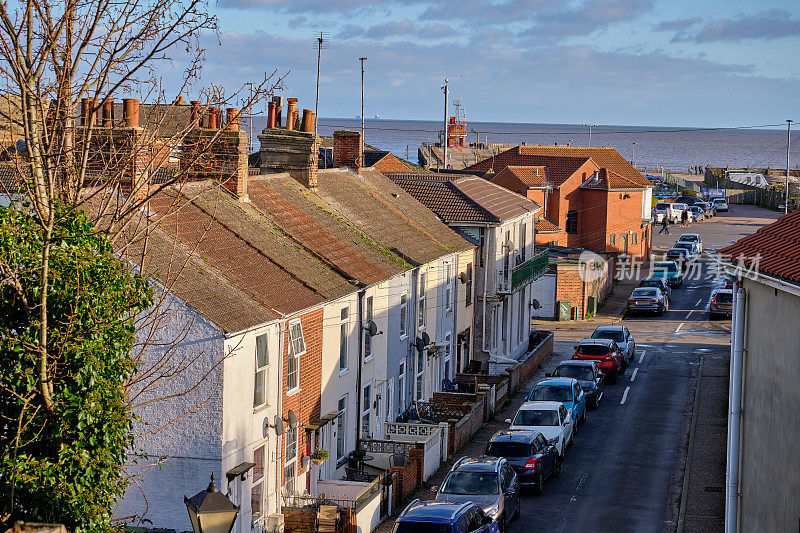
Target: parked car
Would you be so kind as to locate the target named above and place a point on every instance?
(605, 353)
(658, 283)
(647, 299)
(708, 207)
(721, 303)
(663, 209)
(487, 481)
(619, 334)
(692, 237)
(444, 517)
(551, 419)
(690, 247)
(721, 204)
(565, 390)
(698, 213)
(528, 453)
(589, 376)
(680, 208)
(688, 200)
(679, 255)
(669, 271)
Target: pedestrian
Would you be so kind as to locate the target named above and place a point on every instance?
(664, 226)
(684, 217)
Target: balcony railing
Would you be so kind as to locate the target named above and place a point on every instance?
(523, 274)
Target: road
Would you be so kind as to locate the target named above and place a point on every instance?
(628, 455)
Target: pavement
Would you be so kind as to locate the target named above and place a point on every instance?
(652, 456)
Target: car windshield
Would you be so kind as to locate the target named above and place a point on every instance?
(555, 393)
(508, 449)
(719, 201)
(684, 245)
(645, 292)
(687, 238)
(610, 334)
(575, 371)
(420, 527)
(680, 206)
(536, 417)
(592, 349)
(724, 297)
(460, 482)
(650, 283)
(662, 206)
(669, 266)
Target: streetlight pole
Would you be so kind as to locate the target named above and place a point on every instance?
(590, 132)
(633, 155)
(362, 59)
(444, 133)
(788, 145)
(320, 41)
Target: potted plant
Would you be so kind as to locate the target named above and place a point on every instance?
(319, 456)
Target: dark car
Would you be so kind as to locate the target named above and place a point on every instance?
(528, 453)
(444, 517)
(489, 482)
(688, 200)
(605, 353)
(658, 283)
(679, 255)
(589, 376)
(647, 299)
(721, 304)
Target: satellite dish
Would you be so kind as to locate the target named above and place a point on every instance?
(419, 344)
(278, 425)
(535, 304)
(463, 277)
(292, 419)
(426, 339)
(371, 327)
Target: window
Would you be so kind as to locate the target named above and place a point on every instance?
(389, 400)
(344, 332)
(523, 239)
(469, 285)
(401, 388)
(290, 459)
(378, 408)
(366, 411)
(633, 238)
(612, 239)
(447, 355)
(423, 278)
(367, 335)
(341, 436)
(482, 243)
(523, 327)
(262, 359)
(297, 348)
(403, 315)
(420, 373)
(448, 286)
(257, 485)
(571, 225)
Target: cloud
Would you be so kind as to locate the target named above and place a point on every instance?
(678, 24)
(436, 31)
(765, 25)
(391, 29)
(590, 16)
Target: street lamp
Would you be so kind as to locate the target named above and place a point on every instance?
(633, 156)
(590, 132)
(211, 511)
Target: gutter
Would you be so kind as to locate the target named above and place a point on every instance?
(735, 411)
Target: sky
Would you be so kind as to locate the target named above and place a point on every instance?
(715, 63)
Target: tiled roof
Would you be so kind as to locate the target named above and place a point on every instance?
(603, 157)
(530, 176)
(465, 198)
(545, 225)
(774, 249)
(607, 180)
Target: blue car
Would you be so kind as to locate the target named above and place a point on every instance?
(669, 271)
(444, 517)
(568, 391)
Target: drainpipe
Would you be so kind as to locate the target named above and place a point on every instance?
(735, 411)
(485, 281)
(360, 311)
(279, 446)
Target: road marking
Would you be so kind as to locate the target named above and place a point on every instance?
(679, 327)
(641, 357)
(624, 395)
(689, 314)
(698, 302)
(635, 370)
(578, 487)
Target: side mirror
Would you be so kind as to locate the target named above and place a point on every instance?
(575, 347)
(508, 421)
(435, 488)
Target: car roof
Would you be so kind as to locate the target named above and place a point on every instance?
(692, 235)
(482, 463)
(437, 512)
(577, 362)
(540, 404)
(514, 435)
(556, 381)
(727, 291)
(604, 342)
(609, 328)
(666, 263)
(650, 278)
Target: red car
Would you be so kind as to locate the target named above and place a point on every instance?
(606, 353)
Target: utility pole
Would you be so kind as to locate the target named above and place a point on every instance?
(362, 59)
(590, 132)
(788, 145)
(444, 135)
(633, 156)
(320, 42)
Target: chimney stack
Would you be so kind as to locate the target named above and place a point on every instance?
(88, 114)
(108, 113)
(194, 115)
(290, 116)
(270, 115)
(308, 121)
(232, 118)
(213, 118)
(278, 110)
(347, 150)
(130, 112)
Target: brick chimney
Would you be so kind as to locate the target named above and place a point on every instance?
(130, 112)
(290, 151)
(108, 113)
(347, 150)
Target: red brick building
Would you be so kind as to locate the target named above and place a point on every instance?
(592, 197)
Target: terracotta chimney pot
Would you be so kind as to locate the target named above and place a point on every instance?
(130, 112)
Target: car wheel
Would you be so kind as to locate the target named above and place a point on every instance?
(538, 489)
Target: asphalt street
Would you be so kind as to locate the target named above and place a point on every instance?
(628, 455)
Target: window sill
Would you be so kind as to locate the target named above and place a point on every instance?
(343, 371)
(260, 408)
(369, 358)
(292, 392)
(403, 336)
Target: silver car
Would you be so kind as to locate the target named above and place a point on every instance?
(619, 334)
(490, 482)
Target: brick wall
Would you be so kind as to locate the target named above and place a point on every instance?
(215, 154)
(299, 520)
(289, 151)
(390, 163)
(347, 150)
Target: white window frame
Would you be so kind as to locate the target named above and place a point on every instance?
(366, 410)
(423, 298)
(523, 240)
(447, 360)
(369, 340)
(295, 343)
(404, 316)
(341, 430)
(290, 461)
(522, 313)
(448, 287)
(260, 375)
(401, 388)
(259, 483)
(344, 337)
(378, 410)
(419, 384)
(389, 399)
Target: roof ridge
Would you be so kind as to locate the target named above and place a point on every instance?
(454, 185)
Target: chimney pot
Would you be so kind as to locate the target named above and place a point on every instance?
(290, 116)
(232, 118)
(130, 112)
(213, 118)
(308, 121)
(271, 115)
(194, 117)
(108, 113)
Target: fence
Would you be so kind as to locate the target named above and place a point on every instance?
(463, 412)
(417, 433)
(430, 448)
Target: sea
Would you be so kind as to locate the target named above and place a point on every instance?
(649, 147)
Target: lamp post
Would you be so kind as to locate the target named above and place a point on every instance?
(210, 511)
(633, 155)
(590, 132)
